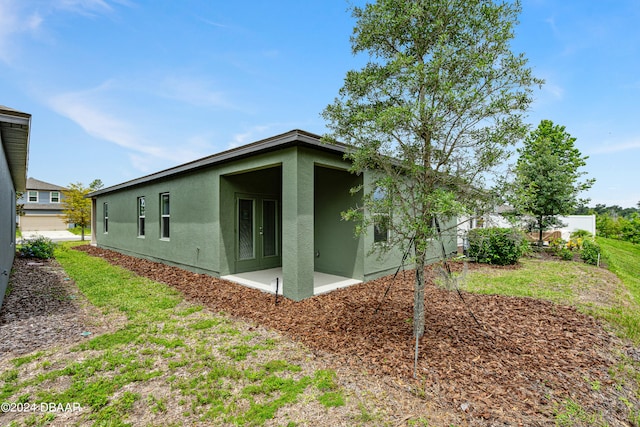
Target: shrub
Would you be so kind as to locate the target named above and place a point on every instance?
(40, 247)
(566, 254)
(590, 251)
(581, 234)
(501, 246)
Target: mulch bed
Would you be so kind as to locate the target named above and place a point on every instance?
(523, 357)
(43, 308)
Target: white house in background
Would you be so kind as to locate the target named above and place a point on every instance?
(571, 223)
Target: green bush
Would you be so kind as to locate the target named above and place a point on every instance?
(500, 246)
(590, 251)
(566, 254)
(583, 234)
(40, 247)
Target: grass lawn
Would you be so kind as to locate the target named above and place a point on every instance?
(169, 363)
(78, 231)
(624, 260)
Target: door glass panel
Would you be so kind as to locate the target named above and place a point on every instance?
(245, 228)
(269, 228)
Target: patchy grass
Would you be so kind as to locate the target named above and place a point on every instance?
(171, 364)
(595, 291)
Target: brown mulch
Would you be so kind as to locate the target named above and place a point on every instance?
(523, 358)
(43, 308)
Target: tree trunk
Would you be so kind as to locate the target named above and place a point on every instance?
(418, 295)
(540, 243)
(82, 234)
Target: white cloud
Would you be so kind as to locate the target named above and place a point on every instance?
(192, 91)
(19, 17)
(247, 137)
(616, 148)
(13, 22)
(556, 91)
(107, 121)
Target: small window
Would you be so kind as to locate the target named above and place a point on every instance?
(105, 222)
(381, 228)
(141, 216)
(381, 218)
(55, 197)
(33, 197)
(165, 216)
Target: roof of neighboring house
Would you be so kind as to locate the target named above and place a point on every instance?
(292, 138)
(28, 207)
(36, 184)
(14, 134)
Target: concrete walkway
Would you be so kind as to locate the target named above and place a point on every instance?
(55, 236)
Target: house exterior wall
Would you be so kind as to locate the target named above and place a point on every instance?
(7, 223)
(312, 186)
(193, 239)
(43, 214)
(337, 249)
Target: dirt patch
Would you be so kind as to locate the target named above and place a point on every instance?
(44, 308)
(522, 361)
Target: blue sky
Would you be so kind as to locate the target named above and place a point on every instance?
(123, 88)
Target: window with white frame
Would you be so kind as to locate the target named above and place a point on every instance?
(141, 216)
(164, 216)
(32, 197)
(105, 217)
(55, 197)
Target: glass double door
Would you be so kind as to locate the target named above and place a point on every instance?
(257, 232)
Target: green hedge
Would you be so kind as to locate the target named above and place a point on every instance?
(500, 246)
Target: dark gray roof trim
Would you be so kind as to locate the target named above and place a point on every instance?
(36, 184)
(43, 207)
(14, 134)
(278, 142)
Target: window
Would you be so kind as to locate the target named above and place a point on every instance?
(105, 222)
(165, 216)
(140, 216)
(380, 228)
(33, 197)
(55, 197)
(381, 217)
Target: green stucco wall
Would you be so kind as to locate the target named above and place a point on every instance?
(336, 247)
(194, 235)
(312, 186)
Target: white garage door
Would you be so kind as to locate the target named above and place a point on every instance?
(42, 223)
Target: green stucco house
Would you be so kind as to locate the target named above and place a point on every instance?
(265, 214)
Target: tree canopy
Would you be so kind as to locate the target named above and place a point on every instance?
(77, 208)
(434, 110)
(547, 176)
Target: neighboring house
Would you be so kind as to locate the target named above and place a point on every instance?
(43, 208)
(14, 137)
(570, 223)
(267, 210)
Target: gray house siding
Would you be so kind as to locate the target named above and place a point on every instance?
(14, 140)
(7, 224)
(44, 213)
